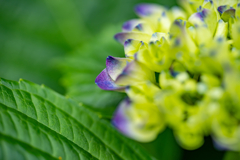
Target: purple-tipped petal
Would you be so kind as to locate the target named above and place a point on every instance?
(230, 13)
(122, 37)
(129, 25)
(221, 9)
(128, 42)
(115, 66)
(139, 27)
(126, 122)
(157, 36)
(132, 46)
(200, 15)
(143, 28)
(145, 9)
(105, 82)
(120, 119)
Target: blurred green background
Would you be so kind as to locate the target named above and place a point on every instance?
(64, 43)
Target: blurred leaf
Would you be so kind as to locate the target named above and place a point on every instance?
(38, 123)
(29, 40)
(97, 13)
(67, 15)
(230, 155)
(34, 32)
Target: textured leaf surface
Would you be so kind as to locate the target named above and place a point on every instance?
(37, 123)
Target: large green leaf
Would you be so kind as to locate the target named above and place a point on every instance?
(38, 123)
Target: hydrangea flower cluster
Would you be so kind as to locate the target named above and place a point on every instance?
(181, 70)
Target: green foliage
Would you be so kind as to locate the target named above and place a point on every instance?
(29, 41)
(38, 123)
(231, 156)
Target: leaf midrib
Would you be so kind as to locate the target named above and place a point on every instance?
(70, 116)
(44, 130)
(42, 89)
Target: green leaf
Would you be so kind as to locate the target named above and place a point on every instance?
(81, 68)
(30, 39)
(230, 155)
(36, 122)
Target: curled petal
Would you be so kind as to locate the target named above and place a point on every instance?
(131, 46)
(221, 9)
(206, 18)
(230, 13)
(157, 36)
(122, 37)
(164, 22)
(157, 62)
(145, 9)
(105, 82)
(143, 27)
(198, 18)
(115, 66)
(140, 121)
(181, 38)
(129, 25)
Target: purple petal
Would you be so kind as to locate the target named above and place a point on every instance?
(120, 120)
(129, 25)
(139, 27)
(122, 37)
(115, 66)
(200, 15)
(129, 42)
(105, 82)
(132, 46)
(145, 9)
(221, 9)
